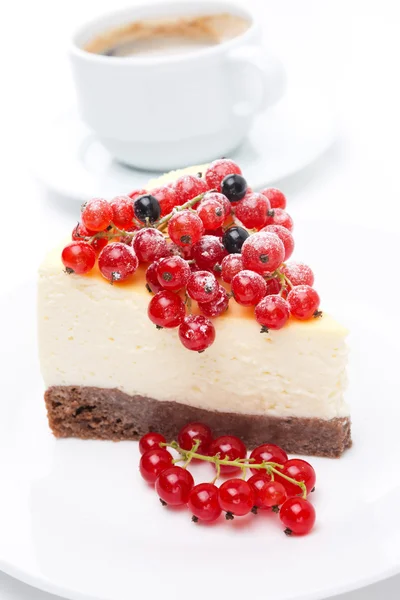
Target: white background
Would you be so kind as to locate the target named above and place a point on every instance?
(350, 49)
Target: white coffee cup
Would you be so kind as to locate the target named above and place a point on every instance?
(168, 111)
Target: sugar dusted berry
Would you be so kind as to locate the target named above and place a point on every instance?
(280, 217)
(204, 502)
(196, 333)
(195, 432)
(202, 286)
(78, 257)
(263, 252)
(185, 228)
(304, 302)
(298, 516)
(234, 187)
(212, 213)
(228, 447)
(298, 273)
(136, 193)
(231, 265)
(188, 187)
(252, 211)
(236, 497)
(173, 273)
(248, 288)
(97, 214)
(166, 309)
(272, 312)
(166, 198)
(149, 245)
(216, 307)
(117, 261)
(80, 232)
(223, 200)
(173, 485)
(123, 215)
(147, 209)
(150, 440)
(218, 170)
(234, 238)
(276, 198)
(285, 236)
(208, 253)
(152, 283)
(153, 462)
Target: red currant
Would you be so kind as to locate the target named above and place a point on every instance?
(152, 279)
(268, 453)
(117, 262)
(208, 253)
(185, 228)
(252, 211)
(166, 198)
(218, 170)
(274, 494)
(188, 187)
(204, 502)
(202, 286)
(173, 485)
(97, 214)
(150, 440)
(149, 245)
(153, 462)
(216, 307)
(273, 286)
(298, 516)
(300, 470)
(80, 231)
(285, 236)
(212, 213)
(248, 288)
(298, 273)
(173, 273)
(259, 482)
(236, 497)
(276, 198)
(136, 193)
(280, 217)
(304, 302)
(185, 252)
(78, 257)
(263, 252)
(229, 447)
(193, 432)
(196, 332)
(272, 312)
(166, 309)
(122, 207)
(231, 266)
(223, 200)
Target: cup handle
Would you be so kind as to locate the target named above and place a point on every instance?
(259, 80)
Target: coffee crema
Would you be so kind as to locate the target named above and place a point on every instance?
(158, 37)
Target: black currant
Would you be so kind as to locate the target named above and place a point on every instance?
(234, 187)
(147, 208)
(234, 238)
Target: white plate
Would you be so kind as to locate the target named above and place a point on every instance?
(77, 520)
(283, 140)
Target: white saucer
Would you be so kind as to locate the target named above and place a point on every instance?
(71, 161)
(77, 520)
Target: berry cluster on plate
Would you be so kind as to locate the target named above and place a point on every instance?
(276, 483)
(208, 240)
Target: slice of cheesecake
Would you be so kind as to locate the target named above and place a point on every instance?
(111, 374)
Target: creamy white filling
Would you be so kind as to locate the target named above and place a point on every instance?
(94, 334)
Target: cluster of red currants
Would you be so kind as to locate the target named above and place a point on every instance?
(276, 483)
(205, 239)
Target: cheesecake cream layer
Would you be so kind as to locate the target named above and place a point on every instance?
(92, 333)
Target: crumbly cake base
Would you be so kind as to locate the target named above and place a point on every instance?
(109, 414)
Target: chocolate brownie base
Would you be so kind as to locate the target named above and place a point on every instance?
(109, 414)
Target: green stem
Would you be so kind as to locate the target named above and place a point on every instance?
(162, 223)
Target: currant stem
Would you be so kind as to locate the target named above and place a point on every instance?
(164, 221)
